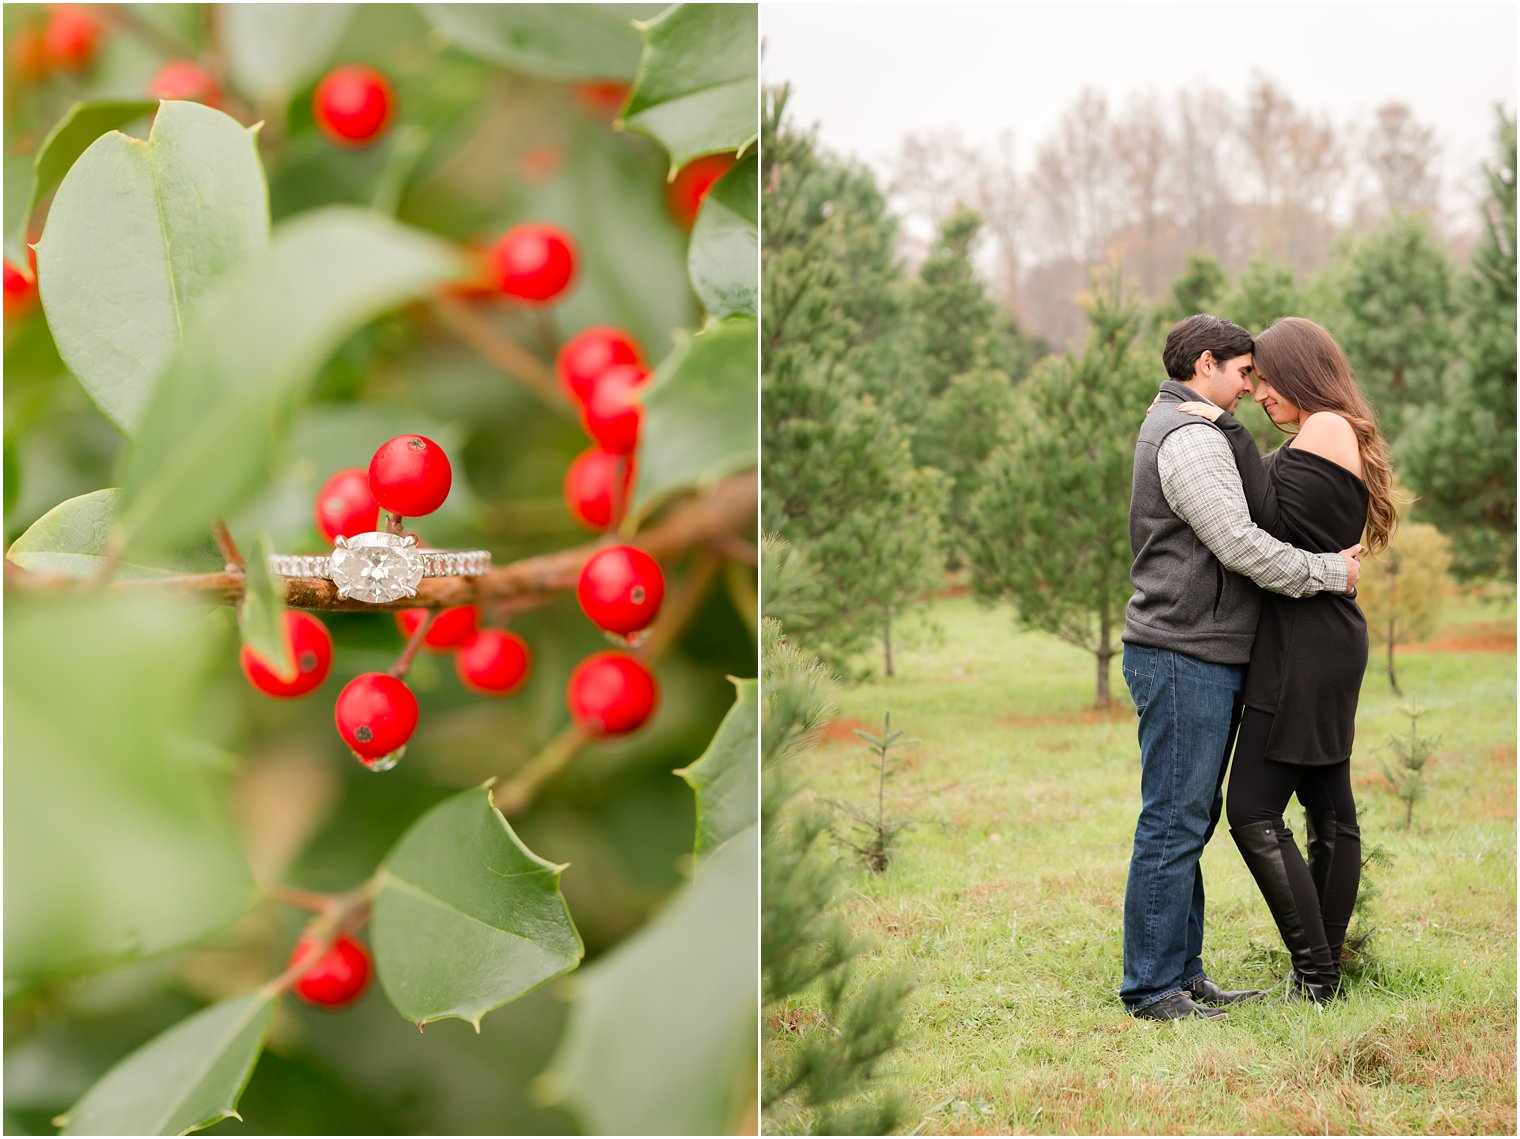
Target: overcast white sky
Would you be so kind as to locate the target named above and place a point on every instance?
(869, 73)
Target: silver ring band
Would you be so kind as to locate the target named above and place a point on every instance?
(435, 563)
(379, 568)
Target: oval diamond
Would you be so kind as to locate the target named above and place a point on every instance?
(377, 567)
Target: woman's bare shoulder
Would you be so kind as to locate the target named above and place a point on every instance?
(1330, 435)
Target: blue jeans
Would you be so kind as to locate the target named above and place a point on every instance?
(1188, 712)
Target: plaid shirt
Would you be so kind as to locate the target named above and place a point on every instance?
(1202, 486)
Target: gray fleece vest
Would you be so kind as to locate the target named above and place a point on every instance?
(1185, 600)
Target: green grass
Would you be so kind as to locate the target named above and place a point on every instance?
(1003, 906)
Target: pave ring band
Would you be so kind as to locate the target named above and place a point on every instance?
(378, 567)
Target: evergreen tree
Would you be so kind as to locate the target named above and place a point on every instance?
(951, 305)
(1200, 289)
(1398, 316)
(971, 355)
(1459, 453)
(1265, 292)
(817, 1069)
(1014, 351)
(840, 481)
(961, 430)
(1050, 522)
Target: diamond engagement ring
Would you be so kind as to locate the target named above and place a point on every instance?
(378, 567)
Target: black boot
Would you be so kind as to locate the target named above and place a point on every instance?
(1301, 991)
(1335, 864)
(1283, 879)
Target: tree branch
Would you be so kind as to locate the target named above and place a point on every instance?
(729, 508)
(403, 664)
(230, 552)
(511, 357)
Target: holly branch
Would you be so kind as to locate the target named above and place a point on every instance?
(728, 509)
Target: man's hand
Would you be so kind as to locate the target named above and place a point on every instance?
(1353, 566)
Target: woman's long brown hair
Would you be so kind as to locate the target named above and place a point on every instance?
(1303, 362)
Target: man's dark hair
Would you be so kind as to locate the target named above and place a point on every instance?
(1191, 338)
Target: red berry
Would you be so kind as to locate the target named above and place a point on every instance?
(612, 415)
(602, 99)
(620, 589)
(685, 192)
(410, 476)
(611, 693)
(590, 353)
(345, 506)
(597, 484)
(70, 37)
(20, 291)
(353, 104)
(493, 663)
(534, 262)
(310, 646)
(184, 79)
(337, 976)
(450, 629)
(376, 714)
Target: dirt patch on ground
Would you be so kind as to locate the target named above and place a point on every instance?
(1481, 637)
(1087, 716)
(843, 729)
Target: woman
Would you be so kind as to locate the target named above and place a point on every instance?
(1327, 485)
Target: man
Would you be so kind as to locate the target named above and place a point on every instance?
(1187, 638)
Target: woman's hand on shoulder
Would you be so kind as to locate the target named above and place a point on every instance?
(1331, 436)
(1202, 410)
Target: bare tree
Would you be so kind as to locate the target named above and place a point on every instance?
(1264, 128)
(1143, 146)
(931, 175)
(1199, 178)
(1316, 170)
(1401, 156)
(1000, 199)
(934, 174)
(1076, 186)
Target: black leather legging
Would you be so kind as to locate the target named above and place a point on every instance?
(1259, 792)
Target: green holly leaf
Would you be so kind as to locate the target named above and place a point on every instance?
(467, 918)
(695, 90)
(661, 1039)
(213, 430)
(725, 244)
(275, 50)
(137, 235)
(555, 41)
(82, 125)
(118, 837)
(184, 1079)
(701, 416)
(727, 776)
(71, 539)
(261, 617)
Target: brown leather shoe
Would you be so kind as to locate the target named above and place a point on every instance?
(1179, 1006)
(1204, 989)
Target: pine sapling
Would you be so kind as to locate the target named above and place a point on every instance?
(1412, 753)
(1356, 957)
(876, 834)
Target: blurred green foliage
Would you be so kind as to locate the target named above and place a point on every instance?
(171, 786)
